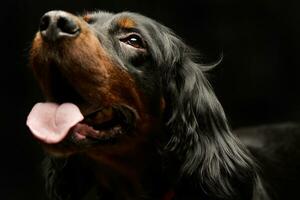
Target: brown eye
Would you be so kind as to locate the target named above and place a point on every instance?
(134, 40)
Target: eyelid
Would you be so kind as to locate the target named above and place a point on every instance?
(130, 34)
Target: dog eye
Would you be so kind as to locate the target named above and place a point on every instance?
(134, 40)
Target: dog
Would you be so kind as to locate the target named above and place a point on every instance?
(129, 112)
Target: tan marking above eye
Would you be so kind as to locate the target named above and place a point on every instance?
(126, 23)
(87, 18)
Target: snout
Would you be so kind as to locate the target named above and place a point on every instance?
(55, 25)
(64, 52)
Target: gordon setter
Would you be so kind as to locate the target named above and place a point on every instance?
(130, 114)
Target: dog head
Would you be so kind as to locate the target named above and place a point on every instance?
(129, 82)
(103, 64)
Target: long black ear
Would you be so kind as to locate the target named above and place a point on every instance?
(210, 158)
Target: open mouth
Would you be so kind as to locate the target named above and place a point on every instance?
(104, 125)
(77, 121)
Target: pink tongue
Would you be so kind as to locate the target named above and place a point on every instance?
(51, 122)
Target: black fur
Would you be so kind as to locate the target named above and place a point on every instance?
(200, 157)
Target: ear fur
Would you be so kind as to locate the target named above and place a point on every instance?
(199, 136)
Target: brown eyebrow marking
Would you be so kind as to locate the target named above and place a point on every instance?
(126, 23)
(87, 18)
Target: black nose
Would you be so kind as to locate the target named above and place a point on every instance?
(58, 24)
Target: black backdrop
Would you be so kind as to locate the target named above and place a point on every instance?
(257, 82)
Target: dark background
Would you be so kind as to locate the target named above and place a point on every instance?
(257, 82)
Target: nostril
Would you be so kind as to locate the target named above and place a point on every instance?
(44, 23)
(67, 25)
(56, 25)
